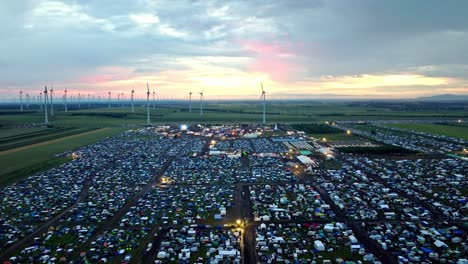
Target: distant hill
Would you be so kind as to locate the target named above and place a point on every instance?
(444, 97)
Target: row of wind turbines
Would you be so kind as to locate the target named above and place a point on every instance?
(202, 99)
(48, 94)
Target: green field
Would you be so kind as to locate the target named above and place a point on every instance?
(19, 130)
(245, 112)
(439, 129)
(17, 165)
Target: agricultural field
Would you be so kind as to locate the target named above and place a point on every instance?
(439, 129)
(20, 132)
(99, 115)
(23, 161)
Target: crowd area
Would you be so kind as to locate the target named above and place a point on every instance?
(179, 197)
(363, 198)
(439, 183)
(421, 242)
(173, 205)
(37, 199)
(309, 243)
(288, 202)
(200, 245)
(416, 141)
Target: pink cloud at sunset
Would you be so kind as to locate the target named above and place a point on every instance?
(274, 59)
(96, 78)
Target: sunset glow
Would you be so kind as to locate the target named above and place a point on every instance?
(229, 48)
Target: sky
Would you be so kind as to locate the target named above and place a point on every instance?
(298, 49)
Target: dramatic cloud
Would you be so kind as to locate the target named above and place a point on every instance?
(299, 49)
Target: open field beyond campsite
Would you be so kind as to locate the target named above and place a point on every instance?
(439, 129)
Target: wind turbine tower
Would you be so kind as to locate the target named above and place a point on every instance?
(51, 101)
(263, 102)
(147, 105)
(190, 100)
(109, 99)
(21, 100)
(65, 100)
(40, 99)
(46, 117)
(79, 101)
(133, 108)
(27, 101)
(154, 96)
(202, 98)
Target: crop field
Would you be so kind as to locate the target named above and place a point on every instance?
(440, 129)
(21, 140)
(38, 157)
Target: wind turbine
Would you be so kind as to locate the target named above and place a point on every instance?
(190, 100)
(264, 102)
(27, 101)
(51, 101)
(201, 101)
(89, 101)
(154, 102)
(21, 100)
(65, 100)
(40, 99)
(133, 108)
(79, 101)
(109, 99)
(46, 117)
(147, 105)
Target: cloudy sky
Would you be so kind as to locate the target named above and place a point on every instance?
(297, 48)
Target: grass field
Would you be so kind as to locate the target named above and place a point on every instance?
(21, 140)
(18, 130)
(19, 164)
(246, 112)
(447, 130)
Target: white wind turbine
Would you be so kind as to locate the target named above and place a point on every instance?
(21, 100)
(51, 101)
(40, 99)
(46, 117)
(202, 98)
(65, 100)
(263, 102)
(79, 101)
(148, 122)
(133, 108)
(190, 100)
